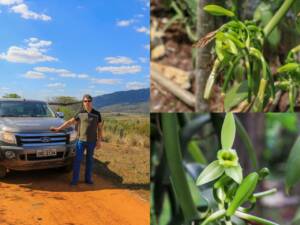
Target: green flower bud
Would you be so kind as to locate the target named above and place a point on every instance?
(228, 158)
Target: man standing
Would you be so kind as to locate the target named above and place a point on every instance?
(90, 135)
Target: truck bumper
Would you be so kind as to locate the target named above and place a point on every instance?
(27, 159)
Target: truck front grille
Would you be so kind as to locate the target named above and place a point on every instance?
(39, 140)
(33, 157)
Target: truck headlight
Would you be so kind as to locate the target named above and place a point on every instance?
(73, 135)
(8, 137)
(10, 155)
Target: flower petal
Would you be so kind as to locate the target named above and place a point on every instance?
(228, 131)
(235, 173)
(210, 173)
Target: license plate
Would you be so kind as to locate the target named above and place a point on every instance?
(45, 153)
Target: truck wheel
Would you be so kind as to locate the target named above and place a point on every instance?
(3, 172)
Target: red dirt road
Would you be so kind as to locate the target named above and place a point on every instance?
(35, 199)
(44, 198)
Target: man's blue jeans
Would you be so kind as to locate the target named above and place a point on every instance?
(80, 146)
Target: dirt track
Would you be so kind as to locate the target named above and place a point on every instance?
(45, 197)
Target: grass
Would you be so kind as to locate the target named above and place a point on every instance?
(127, 129)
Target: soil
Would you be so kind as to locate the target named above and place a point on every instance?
(178, 54)
(120, 194)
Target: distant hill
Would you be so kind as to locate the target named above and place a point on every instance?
(133, 101)
(142, 108)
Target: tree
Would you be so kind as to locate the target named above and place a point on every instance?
(66, 104)
(204, 26)
(11, 95)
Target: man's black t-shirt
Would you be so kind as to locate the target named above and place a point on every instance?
(88, 124)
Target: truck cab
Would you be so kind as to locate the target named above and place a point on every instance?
(26, 142)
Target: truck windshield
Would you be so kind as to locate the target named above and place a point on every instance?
(25, 109)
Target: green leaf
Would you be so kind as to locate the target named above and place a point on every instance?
(288, 67)
(296, 219)
(235, 95)
(235, 173)
(210, 173)
(231, 47)
(228, 131)
(218, 10)
(198, 199)
(219, 50)
(225, 36)
(247, 143)
(293, 166)
(274, 37)
(196, 152)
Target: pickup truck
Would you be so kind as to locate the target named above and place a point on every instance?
(26, 142)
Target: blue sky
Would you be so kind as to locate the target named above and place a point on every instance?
(73, 47)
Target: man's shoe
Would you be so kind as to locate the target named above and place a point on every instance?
(89, 182)
(73, 183)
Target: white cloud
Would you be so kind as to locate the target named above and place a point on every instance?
(68, 74)
(34, 75)
(139, 15)
(10, 2)
(119, 60)
(143, 59)
(25, 13)
(60, 72)
(82, 76)
(135, 85)
(33, 53)
(125, 23)
(143, 30)
(147, 47)
(36, 43)
(4, 88)
(146, 4)
(56, 85)
(45, 69)
(119, 69)
(98, 92)
(105, 81)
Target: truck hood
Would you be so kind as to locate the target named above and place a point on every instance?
(29, 124)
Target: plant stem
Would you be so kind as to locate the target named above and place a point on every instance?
(230, 73)
(174, 160)
(259, 101)
(216, 215)
(277, 17)
(249, 77)
(265, 193)
(249, 217)
(211, 79)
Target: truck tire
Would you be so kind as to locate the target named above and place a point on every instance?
(3, 172)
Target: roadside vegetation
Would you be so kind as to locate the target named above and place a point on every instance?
(128, 129)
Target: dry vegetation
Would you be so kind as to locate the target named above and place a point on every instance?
(126, 129)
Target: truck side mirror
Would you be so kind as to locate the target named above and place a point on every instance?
(60, 114)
